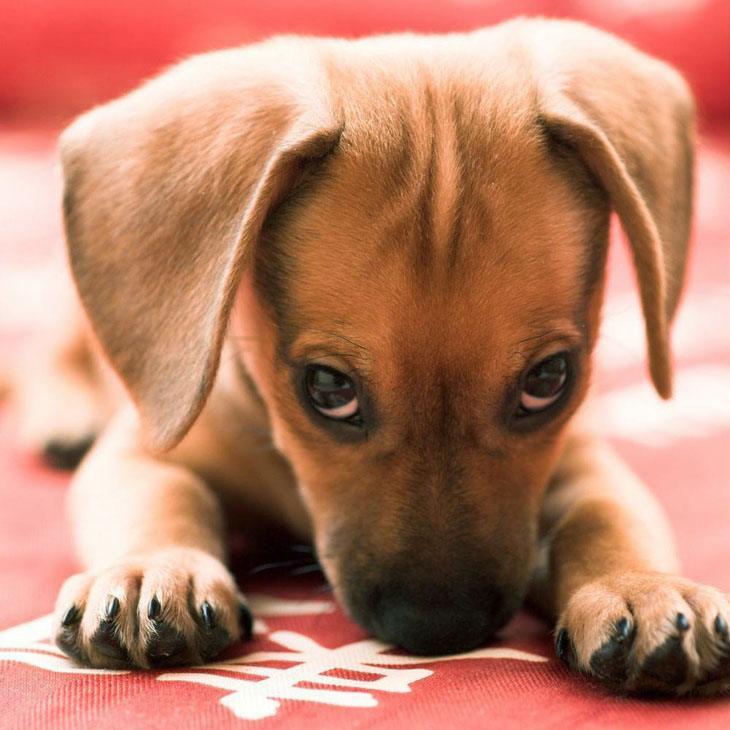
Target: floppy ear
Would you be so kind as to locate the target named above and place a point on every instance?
(630, 118)
(166, 191)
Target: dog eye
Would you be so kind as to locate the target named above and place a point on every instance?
(543, 384)
(332, 393)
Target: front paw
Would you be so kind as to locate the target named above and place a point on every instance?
(648, 632)
(174, 607)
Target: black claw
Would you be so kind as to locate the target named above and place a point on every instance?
(70, 617)
(245, 619)
(208, 615)
(112, 608)
(154, 609)
(562, 645)
(682, 622)
(721, 626)
(622, 630)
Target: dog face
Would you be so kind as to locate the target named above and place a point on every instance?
(411, 245)
(399, 356)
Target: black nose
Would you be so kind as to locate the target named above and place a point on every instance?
(426, 628)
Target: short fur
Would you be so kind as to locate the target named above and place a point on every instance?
(430, 215)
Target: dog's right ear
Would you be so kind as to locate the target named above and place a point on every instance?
(166, 191)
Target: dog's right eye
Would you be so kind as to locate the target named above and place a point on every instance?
(332, 393)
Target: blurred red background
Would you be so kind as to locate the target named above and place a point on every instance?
(59, 57)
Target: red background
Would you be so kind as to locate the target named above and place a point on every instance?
(59, 57)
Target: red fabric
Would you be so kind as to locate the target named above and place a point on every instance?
(682, 451)
(58, 58)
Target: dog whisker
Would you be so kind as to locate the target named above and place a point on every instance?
(314, 567)
(274, 565)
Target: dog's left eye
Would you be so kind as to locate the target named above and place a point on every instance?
(332, 393)
(544, 384)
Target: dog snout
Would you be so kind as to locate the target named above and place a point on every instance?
(434, 622)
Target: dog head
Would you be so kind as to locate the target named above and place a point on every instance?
(405, 238)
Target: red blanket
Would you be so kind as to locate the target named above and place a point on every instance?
(308, 666)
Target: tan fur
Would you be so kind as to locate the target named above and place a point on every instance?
(429, 215)
(63, 392)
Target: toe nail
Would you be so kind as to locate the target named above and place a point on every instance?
(112, 607)
(208, 614)
(682, 622)
(562, 642)
(72, 615)
(245, 618)
(622, 629)
(721, 626)
(153, 609)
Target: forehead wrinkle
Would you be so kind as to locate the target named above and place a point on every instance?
(442, 191)
(461, 183)
(424, 209)
(387, 166)
(570, 334)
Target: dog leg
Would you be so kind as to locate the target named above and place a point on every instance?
(63, 393)
(625, 617)
(156, 591)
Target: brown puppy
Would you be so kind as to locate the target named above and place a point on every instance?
(353, 287)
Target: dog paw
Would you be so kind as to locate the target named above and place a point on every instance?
(649, 633)
(175, 607)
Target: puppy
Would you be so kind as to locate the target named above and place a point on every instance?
(353, 289)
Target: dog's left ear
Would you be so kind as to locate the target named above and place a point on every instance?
(630, 119)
